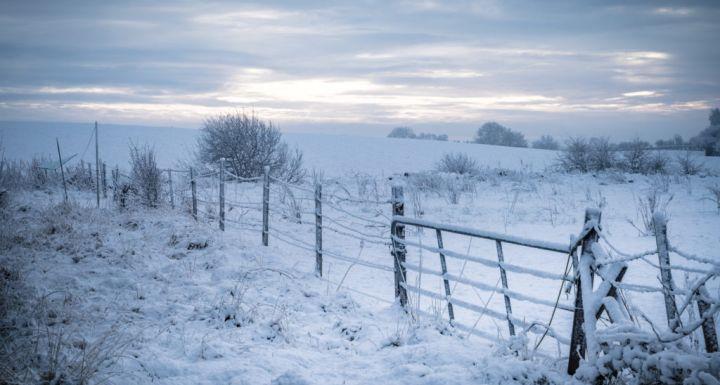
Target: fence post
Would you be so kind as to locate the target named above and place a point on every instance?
(222, 194)
(104, 180)
(193, 189)
(660, 227)
(97, 166)
(266, 205)
(578, 344)
(446, 283)
(62, 170)
(116, 183)
(503, 278)
(398, 250)
(708, 325)
(172, 194)
(318, 230)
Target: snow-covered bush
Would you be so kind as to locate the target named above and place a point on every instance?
(658, 163)
(689, 165)
(145, 176)
(458, 163)
(632, 356)
(576, 156)
(602, 154)
(635, 156)
(19, 174)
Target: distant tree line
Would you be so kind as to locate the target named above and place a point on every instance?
(408, 133)
(494, 133)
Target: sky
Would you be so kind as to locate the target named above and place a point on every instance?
(566, 68)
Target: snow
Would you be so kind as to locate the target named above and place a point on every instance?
(238, 312)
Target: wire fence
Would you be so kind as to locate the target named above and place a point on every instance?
(334, 224)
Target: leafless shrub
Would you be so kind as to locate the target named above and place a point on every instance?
(602, 154)
(658, 163)
(249, 144)
(145, 175)
(635, 156)
(715, 195)
(646, 206)
(457, 163)
(576, 156)
(80, 175)
(689, 165)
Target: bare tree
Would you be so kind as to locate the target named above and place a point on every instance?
(496, 134)
(402, 132)
(248, 144)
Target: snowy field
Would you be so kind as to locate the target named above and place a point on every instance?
(336, 155)
(172, 301)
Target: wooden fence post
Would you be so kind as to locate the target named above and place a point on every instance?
(446, 283)
(318, 230)
(578, 344)
(660, 227)
(266, 205)
(398, 247)
(193, 190)
(503, 278)
(62, 169)
(222, 194)
(104, 180)
(172, 194)
(97, 166)
(708, 325)
(116, 183)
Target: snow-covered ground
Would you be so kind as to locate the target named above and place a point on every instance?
(238, 312)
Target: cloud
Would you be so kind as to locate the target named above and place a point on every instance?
(416, 62)
(642, 94)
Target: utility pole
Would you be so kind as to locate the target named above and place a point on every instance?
(97, 166)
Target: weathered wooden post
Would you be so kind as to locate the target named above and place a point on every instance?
(503, 278)
(104, 180)
(222, 194)
(97, 166)
(578, 344)
(318, 230)
(446, 283)
(660, 227)
(172, 195)
(398, 245)
(708, 325)
(62, 170)
(266, 205)
(193, 189)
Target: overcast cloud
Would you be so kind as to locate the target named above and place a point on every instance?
(559, 67)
